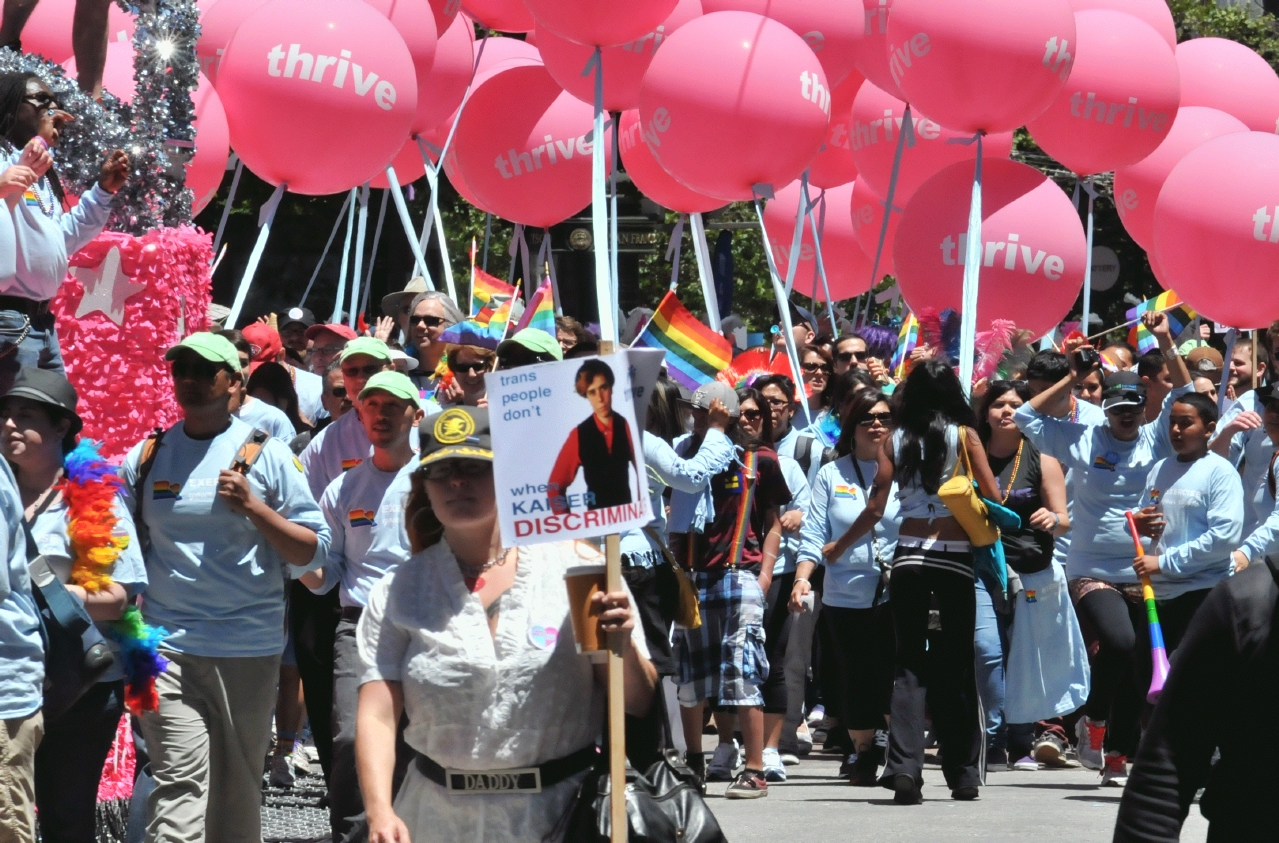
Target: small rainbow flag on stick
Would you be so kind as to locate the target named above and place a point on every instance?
(694, 353)
(484, 287)
(1179, 316)
(907, 339)
(540, 312)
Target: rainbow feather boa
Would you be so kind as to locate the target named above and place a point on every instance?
(89, 488)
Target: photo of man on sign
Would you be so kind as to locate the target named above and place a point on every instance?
(600, 447)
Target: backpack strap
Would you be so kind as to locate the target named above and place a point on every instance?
(1270, 473)
(146, 459)
(804, 453)
(249, 452)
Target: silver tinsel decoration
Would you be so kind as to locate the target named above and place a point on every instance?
(155, 130)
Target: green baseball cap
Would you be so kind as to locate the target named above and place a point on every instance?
(535, 340)
(395, 383)
(211, 347)
(371, 346)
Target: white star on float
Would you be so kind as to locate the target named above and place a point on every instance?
(106, 288)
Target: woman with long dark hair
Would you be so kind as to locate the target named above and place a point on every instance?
(935, 440)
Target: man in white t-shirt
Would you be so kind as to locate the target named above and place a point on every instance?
(364, 508)
(223, 520)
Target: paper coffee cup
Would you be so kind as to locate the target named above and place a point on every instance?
(583, 582)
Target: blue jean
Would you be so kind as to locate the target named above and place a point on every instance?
(38, 349)
(991, 645)
(69, 764)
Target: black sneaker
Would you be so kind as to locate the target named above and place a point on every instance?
(865, 771)
(964, 793)
(906, 791)
(749, 784)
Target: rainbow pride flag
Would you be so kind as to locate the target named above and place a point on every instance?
(694, 353)
(907, 339)
(540, 312)
(1179, 316)
(484, 287)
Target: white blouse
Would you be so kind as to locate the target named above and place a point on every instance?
(479, 702)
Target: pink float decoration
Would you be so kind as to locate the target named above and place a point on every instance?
(442, 91)
(877, 118)
(624, 64)
(48, 30)
(981, 65)
(502, 15)
(733, 100)
(217, 25)
(1033, 246)
(1120, 100)
(117, 73)
(834, 164)
(1137, 187)
(319, 94)
(1154, 12)
(847, 267)
(866, 210)
(212, 146)
(650, 178)
(1226, 75)
(1217, 229)
(826, 25)
(595, 23)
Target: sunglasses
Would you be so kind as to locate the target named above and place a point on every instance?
(813, 368)
(448, 469)
(850, 356)
(752, 415)
(197, 370)
(365, 372)
(337, 392)
(428, 321)
(42, 101)
(469, 368)
(777, 402)
(327, 349)
(870, 419)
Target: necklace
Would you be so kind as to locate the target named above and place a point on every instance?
(474, 576)
(1012, 478)
(1074, 410)
(35, 191)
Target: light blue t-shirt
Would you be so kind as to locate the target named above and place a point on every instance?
(21, 650)
(1250, 451)
(1084, 413)
(798, 443)
(692, 507)
(263, 416)
(1108, 478)
(215, 585)
(1263, 540)
(800, 500)
(1202, 503)
(838, 498)
(364, 509)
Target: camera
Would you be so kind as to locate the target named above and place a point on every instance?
(1086, 359)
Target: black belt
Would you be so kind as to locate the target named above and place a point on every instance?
(517, 780)
(352, 614)
(28, 307)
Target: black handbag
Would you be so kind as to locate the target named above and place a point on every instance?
(76, 654)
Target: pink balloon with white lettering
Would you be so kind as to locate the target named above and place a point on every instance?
(1137, 187)
(826, 25)
(444, 12)
(1033, 246)
(117, 72)
(523, 147)
(624, 64)
(866, 211)
(1120, 100)
(442, 92)
(847, 267)
(1154, 12)
(502, 15)
(834, 164)
(415, 22)
(733, 100)
(206, 168)
(48, 31)
(981, 65)
(1217, 229)
(877, 118)
(650, 178)
(595, 23)
(1226, 75)
(319, 94)
(870, 55)
(217, 25)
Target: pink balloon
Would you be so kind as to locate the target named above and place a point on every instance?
(415, 22)
(603, 24)
(212, 146)
(442, 91)
(48, 30)
(826, 25)
(1154, 12)
(498, 50)
(732, 100)
(502, 15)
(217, 25)
(650, 178)
(1137, 187)
(1120, 100)
(522, 148)
(1034, 246)
(408, 165)
(981, 65)
(1226, 75)
(624, 64)
(445, 12)
(847, 267)
(304, 114)
(834, 164)
(870, 54)
(866, 211)
(117, 73)
(874, 144)
(1217, 229)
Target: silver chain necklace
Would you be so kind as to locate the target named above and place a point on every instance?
(475, 573)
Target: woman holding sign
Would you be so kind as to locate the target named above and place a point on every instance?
(473, 642)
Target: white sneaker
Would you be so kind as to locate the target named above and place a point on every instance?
(1091, 734)
(282, 775)
(803, 739)
(816, 716)
(1116, 772)
(774, 769)
(789, 759)
(724, 762)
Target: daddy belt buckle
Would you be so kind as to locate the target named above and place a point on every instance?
(515, 780)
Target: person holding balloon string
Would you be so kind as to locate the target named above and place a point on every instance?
(1109, 464)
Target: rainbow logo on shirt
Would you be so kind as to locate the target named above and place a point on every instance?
(1155, 496)
(842, 491)
(30, 198)
(347, 465)
(1106, 461)
(165, 490)
(362, 517)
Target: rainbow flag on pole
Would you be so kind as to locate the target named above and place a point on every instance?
(1179, 316)
(694, 353)
(484, 287)
(907, 339)
(540, 312)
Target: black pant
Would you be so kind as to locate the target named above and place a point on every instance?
(69, 764)
(1122, 666)
(314, 622)
(954, 685)
(777, 624)
(653, 613)
(859, 664)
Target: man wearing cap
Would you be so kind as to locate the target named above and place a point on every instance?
(223, 531)
(690, 511)
(803, 329)
(326, 343)
(364, 508)
(1241, 438)
(398, 306)
(267, 348)
(526, 347)
(293, 328)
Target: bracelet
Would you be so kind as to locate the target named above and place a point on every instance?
(1056, 520)
(803, 580)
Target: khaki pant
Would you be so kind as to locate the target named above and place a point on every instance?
(18, 741)
(207, 742)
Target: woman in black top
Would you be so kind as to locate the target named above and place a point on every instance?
(1033, 486)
